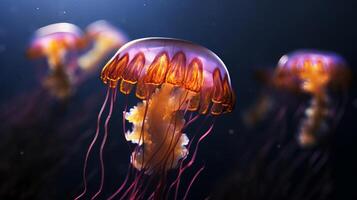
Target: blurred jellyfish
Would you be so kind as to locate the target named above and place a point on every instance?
(43, 130)
(316, 74)
(106, 38)
(178, 82)
(275, 165)
(54, 42)
(323, 76)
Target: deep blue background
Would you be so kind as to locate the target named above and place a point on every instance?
(246, 34)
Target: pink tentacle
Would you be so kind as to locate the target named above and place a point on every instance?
(151, 196)
(122, 185)
(129, 168)
(198, 143)
(102, 146)
(123, 120)
(137, 148)
(191, 120)
(193, 158)
(193, 180)
(92, 144)
(130, 187)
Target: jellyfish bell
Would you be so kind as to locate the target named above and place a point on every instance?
(178, 82)
(318, 74)
(106, 38)
(106, 34)
(54, 41)
(312, 71)
(146, 62)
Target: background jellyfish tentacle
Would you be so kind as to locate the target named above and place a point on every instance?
(177, 82)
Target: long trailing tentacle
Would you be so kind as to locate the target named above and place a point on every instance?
(92, 144)
(193, 180)
(122, 185)
(106, 126)
(183, 167)
(123, 119)
(141, 139)
(131, 189)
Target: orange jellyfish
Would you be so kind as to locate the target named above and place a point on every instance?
(106, 38)
(55, 42)
(308, 87)
(179, 83)
(317, 74)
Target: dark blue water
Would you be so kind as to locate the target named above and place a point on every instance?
(246, 34)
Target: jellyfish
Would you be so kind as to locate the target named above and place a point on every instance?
(106, 38)
(306, 94)
(177, 83)
(321, 76)
(316, 74)
(55, 42)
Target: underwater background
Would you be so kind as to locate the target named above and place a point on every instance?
(246, 34)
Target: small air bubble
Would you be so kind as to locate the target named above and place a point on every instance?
(230, 131)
